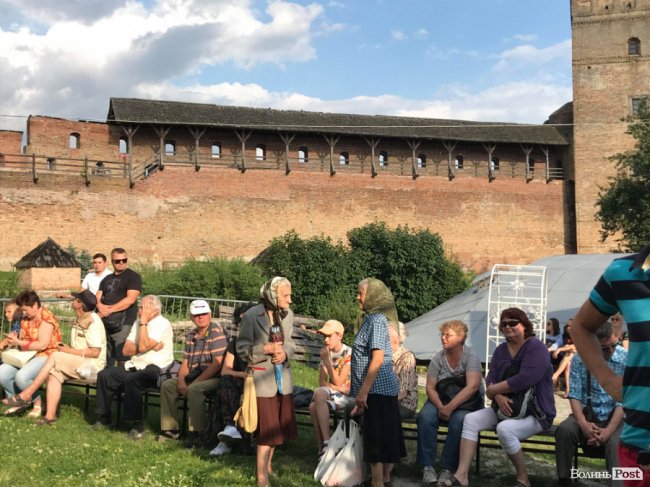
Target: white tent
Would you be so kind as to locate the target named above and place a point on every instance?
(570, 279)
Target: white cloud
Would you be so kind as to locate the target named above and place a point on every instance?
(421, 33)
(525, 37)
(527, 55)
(398, 35)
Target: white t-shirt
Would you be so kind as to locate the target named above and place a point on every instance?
(92, 280)
(160, 330)
(92, 337)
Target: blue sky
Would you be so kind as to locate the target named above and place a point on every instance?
(491, 60)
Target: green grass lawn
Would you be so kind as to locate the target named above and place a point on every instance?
(70, 453)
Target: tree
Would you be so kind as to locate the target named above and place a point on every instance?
(624, 207)
(412, 263)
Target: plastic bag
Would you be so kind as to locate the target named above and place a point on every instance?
(347, 469)
(87, 370)
(336, 443)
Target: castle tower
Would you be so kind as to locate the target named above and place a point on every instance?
(611, 73)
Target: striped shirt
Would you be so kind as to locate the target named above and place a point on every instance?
(205, 350)
(625, 287)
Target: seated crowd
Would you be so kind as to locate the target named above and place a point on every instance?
(123, 341)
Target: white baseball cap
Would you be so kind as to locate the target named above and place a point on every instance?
(199, 306)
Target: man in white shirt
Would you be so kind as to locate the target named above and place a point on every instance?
(150, 345)
(100, 271)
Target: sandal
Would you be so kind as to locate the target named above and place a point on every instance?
(45, 422)
(13, 411)
(16, 401)
(454, 482)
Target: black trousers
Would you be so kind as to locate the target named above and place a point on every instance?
(132, 382)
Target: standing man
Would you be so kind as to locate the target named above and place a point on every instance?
(624, 287)
(116, 303)
(150, 345)
(100, 271)
(199, 374)
(597, 419)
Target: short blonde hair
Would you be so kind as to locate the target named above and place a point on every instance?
(456, 326)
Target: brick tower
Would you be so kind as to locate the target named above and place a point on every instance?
(611, 73)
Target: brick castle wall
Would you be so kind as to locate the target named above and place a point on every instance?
(179, 213)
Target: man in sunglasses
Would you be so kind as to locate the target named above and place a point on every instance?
(117, 304)
(597, 419)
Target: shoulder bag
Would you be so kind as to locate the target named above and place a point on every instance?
(246, 415)
(524, 403)
(449, 387)
(17, 358)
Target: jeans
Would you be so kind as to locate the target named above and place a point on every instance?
(428, 422)
(14, 380)
(112, 380)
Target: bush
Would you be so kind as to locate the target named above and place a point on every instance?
(213, 278)
(8, 284)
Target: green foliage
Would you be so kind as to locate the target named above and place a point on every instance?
(624, 207)
(83, 256)
(411, 262)
(8, 284)
(325, 275)
(213, 278)
(317, 268)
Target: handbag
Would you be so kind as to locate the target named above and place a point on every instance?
(17, 358)
(246, 415)
(524, 403)
(169, 372)
(449, 387)
(347, 468)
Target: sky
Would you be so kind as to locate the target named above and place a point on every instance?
(483, 60)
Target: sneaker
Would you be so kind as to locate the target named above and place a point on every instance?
(99, 425)
(135, 435)
(220, 449)
(444, 476)
(429, 475)
(229, 434)
(167, 435)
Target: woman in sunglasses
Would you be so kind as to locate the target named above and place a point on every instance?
(520, 364)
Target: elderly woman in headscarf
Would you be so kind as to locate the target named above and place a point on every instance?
(374, 383)
(264, 341)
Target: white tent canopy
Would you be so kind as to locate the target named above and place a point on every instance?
(570, 279)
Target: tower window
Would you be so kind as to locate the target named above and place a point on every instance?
(383, 158)
(123, 145)
(422, 160)
(459, 161)
(634, 46)
(170, 148)
(216, 150)
(344, 159)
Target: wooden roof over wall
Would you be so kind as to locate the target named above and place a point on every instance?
(132, 111)
(47, 254)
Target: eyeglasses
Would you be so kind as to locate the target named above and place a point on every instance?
(448, 335)
(609, 348)
(510, 323)
(120, 261)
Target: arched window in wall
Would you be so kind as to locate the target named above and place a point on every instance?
(260, 152)
(170, 148)
(74, 141)
(344, 159)
(216, 150)
(422, 160)
(124, 145)
(303, 154)
(459, 161)
(383, 158)
(633, 46)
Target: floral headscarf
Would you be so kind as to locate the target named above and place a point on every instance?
(269, 297)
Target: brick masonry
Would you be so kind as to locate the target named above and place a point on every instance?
(179, 213)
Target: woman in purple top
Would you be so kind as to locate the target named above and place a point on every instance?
(525, 352)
